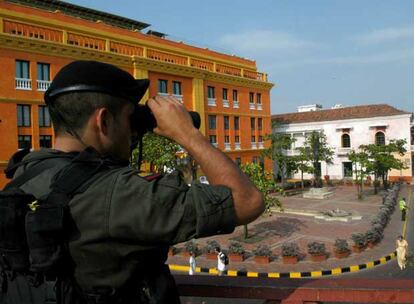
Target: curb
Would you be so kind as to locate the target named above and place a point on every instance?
(292, 275)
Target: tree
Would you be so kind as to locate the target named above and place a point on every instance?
(382, 159)
(302, 161)
(264, 182)
(280, 143)
(316, 148)
(158, 151)
(363, 167)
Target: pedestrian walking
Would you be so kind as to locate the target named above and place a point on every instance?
(403, 208)
(192, 262)
(222, 261)
(402, 247)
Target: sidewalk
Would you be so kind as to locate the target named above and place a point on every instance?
(279, 228)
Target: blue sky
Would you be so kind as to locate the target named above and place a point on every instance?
(328, 52)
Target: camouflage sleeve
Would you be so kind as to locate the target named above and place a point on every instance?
(166, 210)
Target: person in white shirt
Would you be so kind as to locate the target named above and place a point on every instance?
(221, 266)
(193, 265)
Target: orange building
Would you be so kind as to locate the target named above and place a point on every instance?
(38, 37)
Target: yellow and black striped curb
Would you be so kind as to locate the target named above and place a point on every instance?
(292, 275)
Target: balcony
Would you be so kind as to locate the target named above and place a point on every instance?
(237, 146)
(23, 84)
(261, 145)
(43, 85)
(226, 103)
(162, 94)
(211, 102)
(259, 106)
(292, 152)
(214, 145)
(235, 104)
(227, 146)
(297, 290)
(252, 106)
(343, 151)
(254, 146)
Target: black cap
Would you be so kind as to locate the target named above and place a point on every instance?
(94, 76)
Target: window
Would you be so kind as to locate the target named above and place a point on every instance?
(260, 138)
(212, 122)
(210, 92)
(213, 139)
(235, 97)
(380, 139)
(226, 122)
(44, 117)
(224, 94)
(254, 160)
(22, 69)
(253, 138)
(252, 123)
(346, 141)
(43, 71)
(237, 138)
(227, 139)
(251, 97)
(162, 86)
(259, 124)
(23, 116)
(318, 170)
(45, 141)
(259, 98)
(236, 122)
(24, 141)
(347, 169)
(177, 88)
(238, 161)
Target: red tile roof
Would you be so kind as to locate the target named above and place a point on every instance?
(363, 111)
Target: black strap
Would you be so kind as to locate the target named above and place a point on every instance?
(31, 173)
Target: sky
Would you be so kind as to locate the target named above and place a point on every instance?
(326, 52)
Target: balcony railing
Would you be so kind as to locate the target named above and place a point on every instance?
(235, 104)
(252, 106)
(254, 146)
(261, 145)
(227, 146)
(259, 106)
(23, 84)
(214, 144)
(292, 152)
(179, 97)
(226, 103)
(43, 85)
(211, 102)
(237, 146)
(297, 290)
(343, 151)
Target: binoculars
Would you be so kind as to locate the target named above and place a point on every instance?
(144, 121)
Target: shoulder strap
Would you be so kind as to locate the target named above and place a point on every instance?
(31, 173)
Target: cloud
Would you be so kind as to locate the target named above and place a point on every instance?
(386, 35)
(263, 41)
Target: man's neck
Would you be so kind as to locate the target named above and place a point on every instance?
(68, 144)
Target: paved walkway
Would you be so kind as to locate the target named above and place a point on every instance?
(279, 228)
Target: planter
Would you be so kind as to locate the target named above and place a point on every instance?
(342, 255)
(371, 244)
(262, 259)
(211, 256)
(290, 259)
(236, 257)
(318, 257)
(357, 249)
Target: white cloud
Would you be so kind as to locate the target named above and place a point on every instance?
(386, 35)
(263, 41)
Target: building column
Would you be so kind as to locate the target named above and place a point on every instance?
(141, 74)
(198, 102)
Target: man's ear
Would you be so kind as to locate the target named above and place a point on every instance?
(102, 120)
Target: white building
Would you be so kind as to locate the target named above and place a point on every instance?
(347, 128)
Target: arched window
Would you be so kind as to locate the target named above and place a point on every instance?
(380, 139)
(346, 141)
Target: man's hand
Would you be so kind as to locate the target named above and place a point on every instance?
(173, 120)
